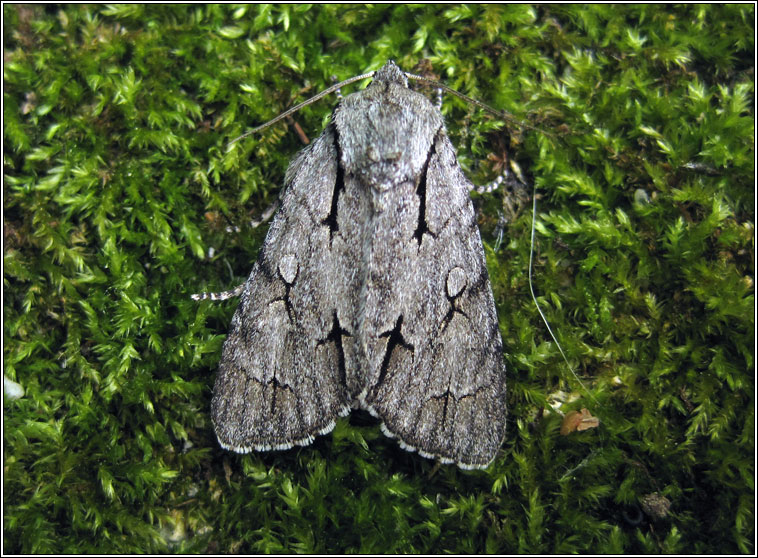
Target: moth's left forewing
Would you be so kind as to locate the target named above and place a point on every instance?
(438, 379)
(469, 341)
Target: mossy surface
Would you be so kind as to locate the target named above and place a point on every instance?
(118, 180)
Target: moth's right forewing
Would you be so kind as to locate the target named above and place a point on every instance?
(281, 379)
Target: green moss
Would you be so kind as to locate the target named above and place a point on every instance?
(118, 179)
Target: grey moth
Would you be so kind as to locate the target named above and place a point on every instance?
(370, 291)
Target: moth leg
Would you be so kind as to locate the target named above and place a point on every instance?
(338, 91)
(490, 186)
(254, 223)
(224, 295)
(515, 196)
(236, 291)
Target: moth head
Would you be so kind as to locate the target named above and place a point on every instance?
(390, 73)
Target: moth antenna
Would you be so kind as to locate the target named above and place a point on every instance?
(537, 304)
(307, 102)
(499, 113)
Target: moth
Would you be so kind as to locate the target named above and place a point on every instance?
(370, 291)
